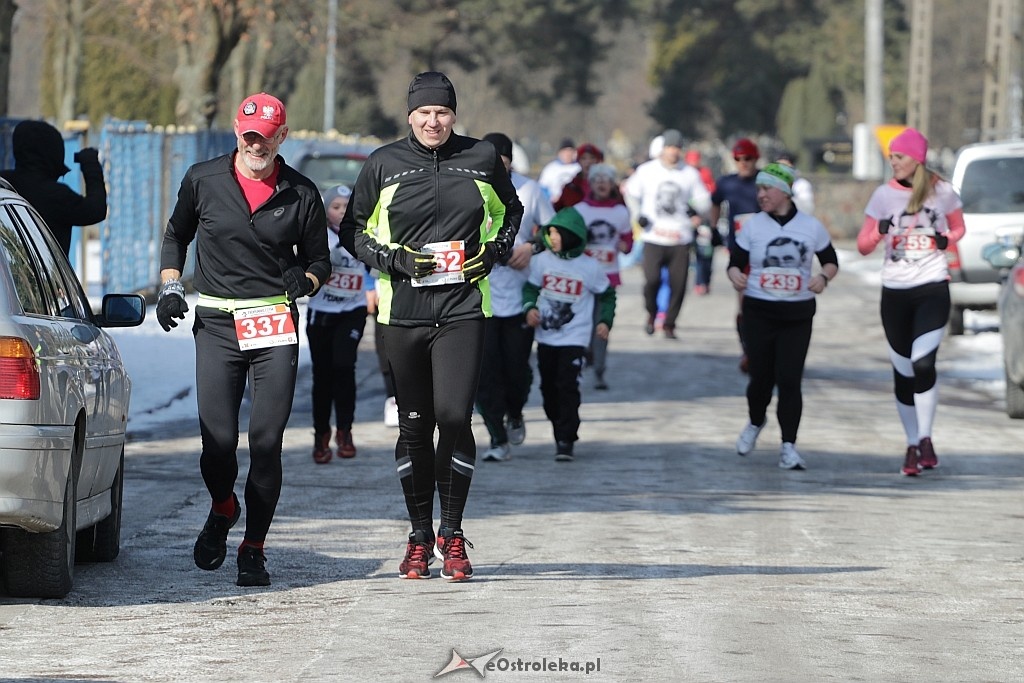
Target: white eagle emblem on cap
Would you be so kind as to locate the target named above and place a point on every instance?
(268, 111)
(249, 109)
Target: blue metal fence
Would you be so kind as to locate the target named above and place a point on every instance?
(144, 170)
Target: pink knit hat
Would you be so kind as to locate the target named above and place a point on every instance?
(910, 143)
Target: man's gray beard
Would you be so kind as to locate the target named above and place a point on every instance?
(252, 165)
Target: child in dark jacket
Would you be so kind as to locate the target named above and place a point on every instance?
(559, 297)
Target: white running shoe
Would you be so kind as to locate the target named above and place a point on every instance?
(390, 412)
(748, 438)
(516, 431)
(789, 459)
(498, 453)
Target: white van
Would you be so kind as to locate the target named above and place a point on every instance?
(990, 179)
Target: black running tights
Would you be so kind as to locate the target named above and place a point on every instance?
(435, 371)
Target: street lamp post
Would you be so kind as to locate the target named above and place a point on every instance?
(329, 83)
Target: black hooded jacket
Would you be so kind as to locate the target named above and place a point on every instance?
(38, 167)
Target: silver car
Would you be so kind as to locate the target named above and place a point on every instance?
(1005, 257)
(64, 397)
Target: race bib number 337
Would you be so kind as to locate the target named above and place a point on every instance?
(265, 326)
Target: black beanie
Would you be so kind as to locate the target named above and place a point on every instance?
(431, 88)
(501, 142)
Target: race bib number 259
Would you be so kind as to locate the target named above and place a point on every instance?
(265, 326)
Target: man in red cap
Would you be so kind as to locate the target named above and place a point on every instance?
(260, 234)
(739, 190)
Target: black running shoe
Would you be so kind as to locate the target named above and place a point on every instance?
(252, 570)
(563, 451)
(211, 546)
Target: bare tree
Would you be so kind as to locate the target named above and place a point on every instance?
(205, 32)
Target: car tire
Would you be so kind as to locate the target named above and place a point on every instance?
(102, 541)
(1014, 399)
(42, 565)
(956, 321)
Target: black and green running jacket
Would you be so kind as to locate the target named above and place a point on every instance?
(408, 195)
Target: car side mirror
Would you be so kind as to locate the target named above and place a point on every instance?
(1001, 255)
(122, 310)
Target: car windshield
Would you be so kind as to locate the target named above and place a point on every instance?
(328, 171)
(993, 186)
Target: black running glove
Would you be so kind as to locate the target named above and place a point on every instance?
(171, 304)
(296, 283)
(477, 268)
(415, 264)
(941, 241)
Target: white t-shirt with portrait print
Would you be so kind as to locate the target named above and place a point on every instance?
(566, 301)
(664, 194)
(911, 255)
(781, 256)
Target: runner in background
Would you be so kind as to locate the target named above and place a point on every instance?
(336, 317)
(579, 187)
(505, 374)
(708, 236)
(564, 287)
(609, 233)
(560, 170)
(739, 192)
(669, 199)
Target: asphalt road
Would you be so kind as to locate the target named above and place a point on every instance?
(658, 555)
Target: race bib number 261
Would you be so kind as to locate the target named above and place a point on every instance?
(265, 326)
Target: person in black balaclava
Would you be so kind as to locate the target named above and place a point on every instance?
(38, 167)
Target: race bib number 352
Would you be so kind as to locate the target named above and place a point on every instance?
(264, 326)
(448, 260)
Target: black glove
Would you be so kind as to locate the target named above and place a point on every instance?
(883, 226)
(643, 221)
(941, 241)
(415, 264)
(477, 268)
(87, 155)
(296, 283)
(171, 304)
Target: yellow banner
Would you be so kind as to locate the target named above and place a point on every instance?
(885, 133)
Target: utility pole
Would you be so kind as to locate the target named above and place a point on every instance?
(874, 109)
(1001, 93)
(329, 67)
(919, 96)
(867, 158)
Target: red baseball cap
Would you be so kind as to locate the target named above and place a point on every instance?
(260, 113)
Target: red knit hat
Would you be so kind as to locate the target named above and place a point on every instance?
(586, 148)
